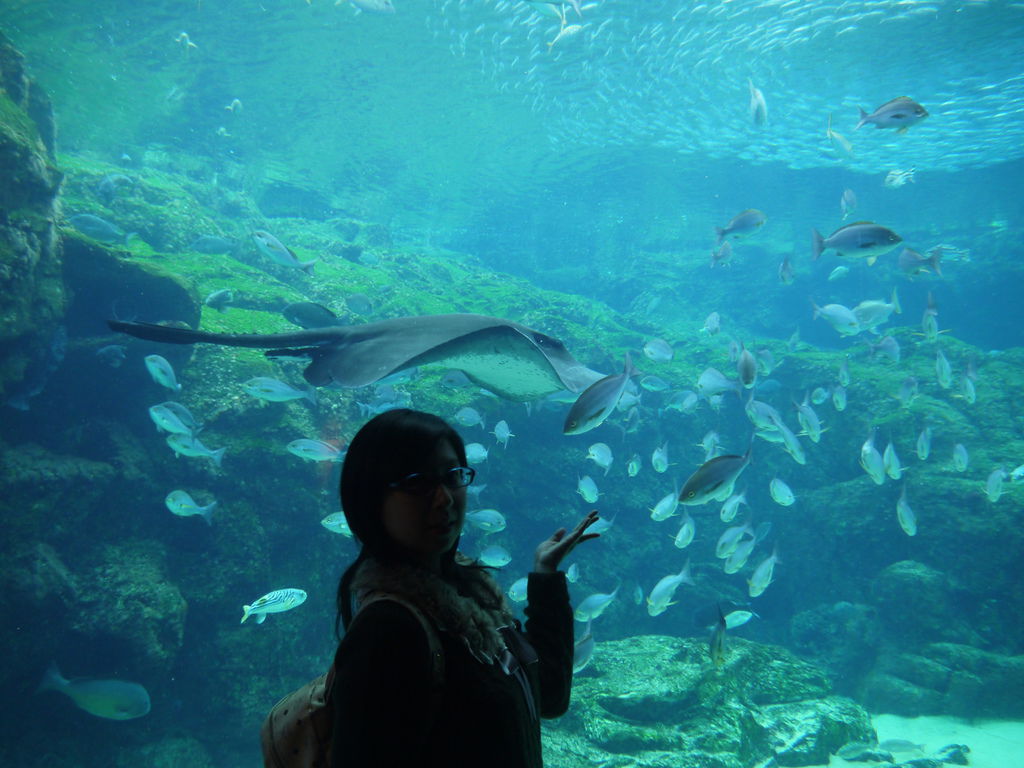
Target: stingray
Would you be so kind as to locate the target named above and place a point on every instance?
(509, 359)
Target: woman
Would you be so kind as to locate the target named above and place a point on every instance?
(431, 671)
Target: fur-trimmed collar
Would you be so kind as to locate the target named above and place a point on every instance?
(464, 615)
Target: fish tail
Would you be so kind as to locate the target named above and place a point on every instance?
(218, 456)
(934, 261)
(246, 610)
(720, 233)
(817, 244)
(52, 679)
(863, 118)
(307, 267)
(207, 513)
(895, 300)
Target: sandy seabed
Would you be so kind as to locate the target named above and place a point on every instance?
(993, 743)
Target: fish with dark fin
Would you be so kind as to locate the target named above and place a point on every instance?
(509, 359)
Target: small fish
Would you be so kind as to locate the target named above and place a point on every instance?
(278, 601)
(908, 391)
(113, 354)
(716, 645)
(633, 465)
(943, 370)
(789, 441)
(891, 462)
(731, 506)
(187, 445)
(495, 556)
(839, 397)
(307, 314)
(487, 520)
(517, 592)
(905, 515)
(274, 391)
(359, 304)
(182, 504)
(967, 391)
(661, 596)
(502, 433)
(763, 575)
(873, 312)
(900, 113)
(924, 443)
(738, 618)
(721, 255)
(336, 522)
(994, 484)
(714, 382)
(106, 190)
(597, 401)
(758, 106)
(469, 417)
(654, 384)
(594, 605)
(739, 556)
(897, 178)
(960, 457)
(871, 460)
(848, 202)
(786, 272)
(277, 252)
(913, 263)
(567, 31)
(587, 488)
(712, 324)
(583, 650)
(809, 421)
(476, 453)
(714, 480)
(212, 245)
(167, 420)
(742, 225)
(839, 317)
(658, 350)
(109, 699)
(781, 493)
(838, 142)
(219, 300)
(379, 7)
(687, 531)
(98, 229)
(887, 346)
(862, 239)
(659, 458)
(746, 367)
(665, 508)
(730, 539)
(162, 372)
(572, 575)
(600, 454)
(314, 450)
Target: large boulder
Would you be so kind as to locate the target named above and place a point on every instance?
(661, 702)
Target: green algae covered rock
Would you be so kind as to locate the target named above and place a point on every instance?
(659, 701)
(31, 292)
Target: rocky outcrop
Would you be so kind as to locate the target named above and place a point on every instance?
(659, 701)
(31, 289)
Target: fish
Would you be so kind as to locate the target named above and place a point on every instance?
(110, 699)
(746, 367)
(848, 202)
(279, 253)
(219, 300)
(960, 458)
(712, 324)
(502, 433)
(600, 454)
(871, 460)
(739, 556)
(943, 370)
(994, 484)
(742, 225)
(908, 391)
(278, 601)
(314, 450)
(162, 372)
(587, 488)
(308, 314)
(713, 382)
(583, 650)
(900, 113)
(511, 360)
(469, 417)
(658, 350)
(336, 522)
(567, 31)
(838, 141)
(731, 506)
(888, 347)
(517, 592)
(188, 445)
(924, 443)
(487, 520)
(730, 539)
(379, 7)
(661, 596)
(862, 239)
(633, 465)
(113, 354)
(359, 304)
(839, 397)
(183, 505)
(212, 245)
(274, 391)
(758, 106)
(789, 440)
(167, 420)
(594, 605)
(913, 263)
(659, 458)
(714, 480)
(572, 574)
(716, 645)
(597, 401)
(786, 272)
(891, 462)
(476, 453)
(106, 190)
(99, 229)
(781, 493)
(839, 317)
(905, 515)
(666, 507)
(873, 312)
(897, 178)
(809, 421)
(495, 556)
(686, 532)
(763, 575)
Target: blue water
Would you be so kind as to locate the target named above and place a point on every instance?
(575, 190)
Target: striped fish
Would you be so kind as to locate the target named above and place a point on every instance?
(278, 601)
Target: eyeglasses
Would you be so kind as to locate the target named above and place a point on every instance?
(425, 483)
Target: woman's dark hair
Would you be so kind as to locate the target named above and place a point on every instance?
(390, 446)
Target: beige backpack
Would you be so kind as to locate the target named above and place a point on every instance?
(297, 732)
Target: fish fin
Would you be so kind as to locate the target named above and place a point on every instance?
(863, 118)
(246, 610)
(901, 129)
(871, 260)
(817, 244)
(218, 456)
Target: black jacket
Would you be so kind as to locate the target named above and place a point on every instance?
(384, 690)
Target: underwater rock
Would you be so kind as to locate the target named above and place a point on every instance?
(659, 701)
(169, 751)
(31, 291)
(281, 199)
(917, 603)
(843, 638)
(128, 599)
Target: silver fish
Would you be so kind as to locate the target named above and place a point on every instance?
(597, 401)
(862, 239)
(742, 224)
(900, 113)
(714, 479)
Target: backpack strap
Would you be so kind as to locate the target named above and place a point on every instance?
(433, 640)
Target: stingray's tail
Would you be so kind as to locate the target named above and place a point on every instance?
(172, 335)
